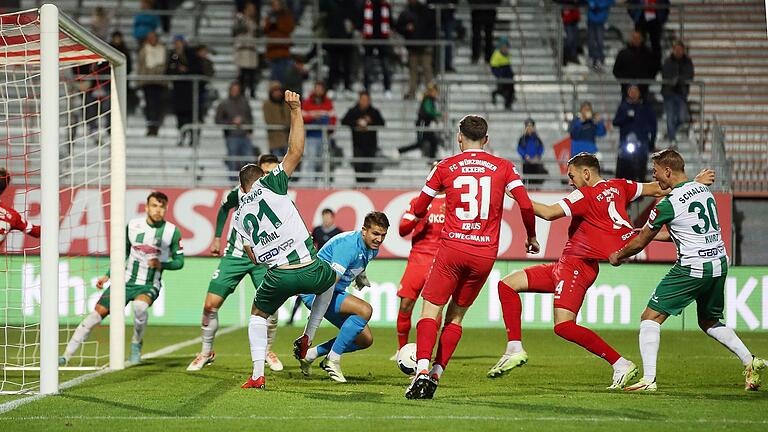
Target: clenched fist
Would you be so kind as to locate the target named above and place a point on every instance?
(293, 100)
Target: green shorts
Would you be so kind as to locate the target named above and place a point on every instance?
(281, 284)
(131, 292)
(231, 271)
(678, 289)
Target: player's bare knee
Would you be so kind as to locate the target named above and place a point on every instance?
(517, 280)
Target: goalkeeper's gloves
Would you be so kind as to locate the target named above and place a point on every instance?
(361, 281)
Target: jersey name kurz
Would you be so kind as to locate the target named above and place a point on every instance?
(275, 251)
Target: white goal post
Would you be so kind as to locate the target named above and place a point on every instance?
(61, 43)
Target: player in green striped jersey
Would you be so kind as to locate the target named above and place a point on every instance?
(152, 245)
(275, 235)
(233, 267)
(690, 214)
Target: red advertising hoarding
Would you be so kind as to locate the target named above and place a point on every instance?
(85, 219)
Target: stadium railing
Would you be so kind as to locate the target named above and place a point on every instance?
(604, 95)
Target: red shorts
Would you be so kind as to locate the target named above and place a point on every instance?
(569, 278)
(456, 274)
(415, 275)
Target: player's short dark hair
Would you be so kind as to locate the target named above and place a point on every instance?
(159, 196)
(473, 127)
(376, 218)
(5, 179)
(268, 158)
(327, 210)
(669, 158)
(249, 174)
(585, 160)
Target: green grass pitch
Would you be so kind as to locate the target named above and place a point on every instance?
(562, 388)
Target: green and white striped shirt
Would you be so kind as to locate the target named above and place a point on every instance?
(145, 242)
(268, 221)
(690, 213)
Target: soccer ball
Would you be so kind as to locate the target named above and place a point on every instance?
(406, 359)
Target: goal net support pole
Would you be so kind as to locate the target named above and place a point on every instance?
(49, 193)
(51, 24)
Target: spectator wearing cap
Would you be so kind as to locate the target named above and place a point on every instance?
(277, 114)
(636, 121)
(677, 73)
(530, 148)
(501, 67)
(635, 62)
(584, 130)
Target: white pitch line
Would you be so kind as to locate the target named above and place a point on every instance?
(395, 417)
(12, 405)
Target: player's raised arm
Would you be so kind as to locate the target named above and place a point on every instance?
(296, 135)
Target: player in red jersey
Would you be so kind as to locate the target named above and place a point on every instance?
(599, 225)
(425, 241)
(10, 219)
(474, 183)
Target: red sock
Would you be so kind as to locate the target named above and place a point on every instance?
(511, 308)
(449, 338)
(588, 339)
(403, 328)
(426, 336)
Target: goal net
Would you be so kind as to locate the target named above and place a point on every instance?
(62, 145)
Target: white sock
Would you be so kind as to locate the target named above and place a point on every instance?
(514, 347)
(727, 337)
(271, 331)
(422, 364)
(81, 333)
(334, 357)
(620, 363)
(436, 370)
(311, 354)
(140, 315)
(257, 337)
(210, 326)
(650, 338)
(319, 306)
